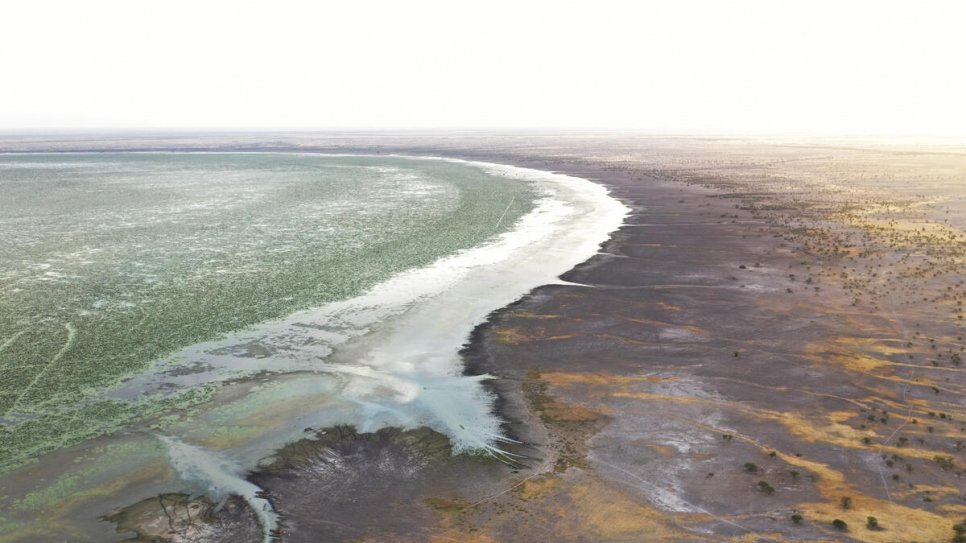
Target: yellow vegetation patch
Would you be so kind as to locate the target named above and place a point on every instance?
(600, 379)
(650, 396)
(666, 451)
(669, 307)
(508, 336)
(899, 523)
(954, 509)
(906, 226)
(553, 410)
(512, 336)
(828, 428)
(445, 505)
(450, 536)
(603, 513)
(758, 537)
(935, 491)
(823, 354)
(538, 486)
(561, 412)
(886, 347)
(851, 359)
(562, 510)
(824, 428)
(697, 330)
(534, 316)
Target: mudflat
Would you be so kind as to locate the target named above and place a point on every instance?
(769, 349)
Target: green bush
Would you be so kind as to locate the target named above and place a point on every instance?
(765, 487)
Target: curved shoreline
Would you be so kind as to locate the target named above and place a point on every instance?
(521, 271)
(414, 356)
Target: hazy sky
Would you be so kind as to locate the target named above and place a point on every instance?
(813, 66)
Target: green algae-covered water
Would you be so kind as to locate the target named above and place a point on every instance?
(112, 261)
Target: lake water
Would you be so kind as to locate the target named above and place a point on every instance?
(201, 309)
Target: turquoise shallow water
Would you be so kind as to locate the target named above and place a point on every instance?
(109, 262)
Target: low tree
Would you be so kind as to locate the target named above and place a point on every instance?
(959, 532)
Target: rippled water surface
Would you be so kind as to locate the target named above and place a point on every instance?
(110, 263)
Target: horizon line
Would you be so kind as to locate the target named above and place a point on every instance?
(552, 130)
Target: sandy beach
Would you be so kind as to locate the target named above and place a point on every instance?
(772, 342)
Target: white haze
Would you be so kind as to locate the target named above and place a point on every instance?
(855, 67)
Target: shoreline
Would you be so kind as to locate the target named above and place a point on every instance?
(666, 489)
(210, 469)
(741, 330)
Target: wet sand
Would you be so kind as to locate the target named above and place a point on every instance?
(772, 342)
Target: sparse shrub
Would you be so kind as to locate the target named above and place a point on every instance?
(840, 525)
(765, 487)
(872, 523)
(959, 532)
(945, 462)
(846, 502)
(796, 518)
(751, 467)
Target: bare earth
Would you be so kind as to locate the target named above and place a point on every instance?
(773, 341)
